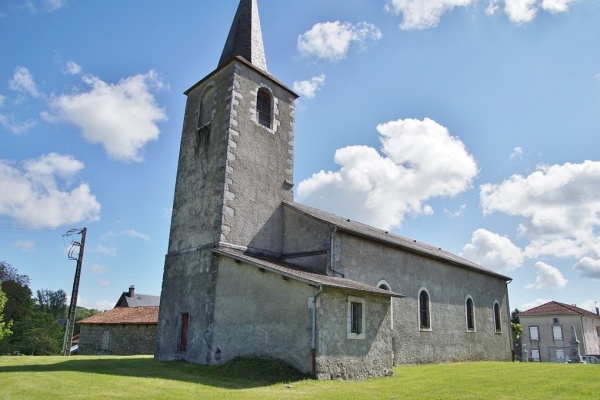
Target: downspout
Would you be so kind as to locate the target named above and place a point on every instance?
(510, 329)
(331, 248)
(313, 344)
(583, 337)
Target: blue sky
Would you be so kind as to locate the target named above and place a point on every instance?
(468, 124)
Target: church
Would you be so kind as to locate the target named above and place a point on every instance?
(250, 272)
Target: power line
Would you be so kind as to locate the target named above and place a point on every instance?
(28, 229)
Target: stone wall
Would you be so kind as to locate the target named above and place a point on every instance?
(448, 285)
(232, 176)
(261, 314)
(117, 339)
(340, 357)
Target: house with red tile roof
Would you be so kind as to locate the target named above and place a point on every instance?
(547, 331)
(124, 330)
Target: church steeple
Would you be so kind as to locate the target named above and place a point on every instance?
(245, 36)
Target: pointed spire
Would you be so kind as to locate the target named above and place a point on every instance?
(245, 36)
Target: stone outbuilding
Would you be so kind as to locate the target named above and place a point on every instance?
(120, 331)
(129, 328)
(250, 272)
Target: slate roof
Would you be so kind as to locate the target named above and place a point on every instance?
(245, 37)
(391, 239)
(125, 316)
(138, 300)
(311, 278)
(556, 308)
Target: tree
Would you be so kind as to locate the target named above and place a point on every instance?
(9, 273)
(53, 302)
(38, 334)
(18, 302)
(517, 330)
(4, 326)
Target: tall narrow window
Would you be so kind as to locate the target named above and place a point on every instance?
(206, 107)
(557, 332)
(424, 315)
(497, 321)
(263, 107)
(356, 318)
(534, 333)
(470, 315)
(185, 321)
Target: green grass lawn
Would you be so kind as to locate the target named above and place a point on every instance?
(84, 377)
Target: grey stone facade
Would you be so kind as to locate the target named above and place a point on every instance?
(117, 339)
(547, 331)
(251, 273)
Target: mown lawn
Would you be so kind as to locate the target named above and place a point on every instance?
(79, 377)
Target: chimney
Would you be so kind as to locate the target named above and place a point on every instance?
(131, 291)
(597, 309)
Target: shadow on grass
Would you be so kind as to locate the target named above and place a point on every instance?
(241, 373)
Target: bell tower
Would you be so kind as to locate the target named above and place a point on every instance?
(235, 168)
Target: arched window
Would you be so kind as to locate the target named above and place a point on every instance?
(207, 103)
(263, 107)
(470, 311)
(497, 321)
(424, 312)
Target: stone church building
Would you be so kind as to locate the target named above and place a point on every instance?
(250, 272)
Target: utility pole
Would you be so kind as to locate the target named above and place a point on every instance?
(66, 351)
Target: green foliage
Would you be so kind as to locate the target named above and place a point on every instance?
(9, 273)
(4, 326)
(38, 334)
(93, 377)
(52, 302)
(19, 301)
(34, 327)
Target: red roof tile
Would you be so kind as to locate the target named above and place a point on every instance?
(125, 315)
(556, 308)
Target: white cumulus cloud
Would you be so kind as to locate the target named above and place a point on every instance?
(559, 205)
(41, 192)
(548, 277)
(332, 40)
(522, 11)
(534, 303)
(309, 88)
(22, 81)
(122, 117)
(8, 122)
(419, 160)
(422, 14)
(493, 251)
(588, 267)
(556, 6)
(72, 68)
